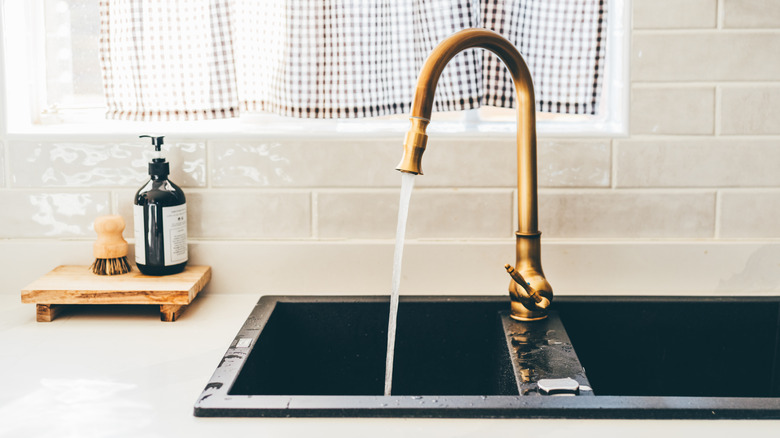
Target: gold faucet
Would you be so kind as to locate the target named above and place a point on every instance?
(529, 290)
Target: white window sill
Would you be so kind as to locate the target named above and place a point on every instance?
(319, 129)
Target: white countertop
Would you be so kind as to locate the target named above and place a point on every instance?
(117, 371)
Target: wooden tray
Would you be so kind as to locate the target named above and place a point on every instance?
(78, 285)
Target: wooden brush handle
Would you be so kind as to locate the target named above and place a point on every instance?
(110, 244)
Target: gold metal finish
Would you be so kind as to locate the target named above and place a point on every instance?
(414, 146)
(526, 293)
(533, 295)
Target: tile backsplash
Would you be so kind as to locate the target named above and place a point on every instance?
(701, 160)
(51, 213)
(99, 164)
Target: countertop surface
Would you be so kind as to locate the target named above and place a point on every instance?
(118, 371)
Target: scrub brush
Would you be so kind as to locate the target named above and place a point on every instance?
(110, 249)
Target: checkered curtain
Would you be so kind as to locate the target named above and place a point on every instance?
(205, 59)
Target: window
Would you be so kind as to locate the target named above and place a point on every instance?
(53, 83)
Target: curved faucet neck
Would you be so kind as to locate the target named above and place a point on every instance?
(422, 107)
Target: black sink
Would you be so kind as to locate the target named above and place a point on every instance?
(463, 357)
(684, 347)
(339, 348)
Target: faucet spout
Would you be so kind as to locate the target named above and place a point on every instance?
(414, 146)
(528, 266)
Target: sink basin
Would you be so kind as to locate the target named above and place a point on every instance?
(677, 347)
(464, 357)
(339, 348)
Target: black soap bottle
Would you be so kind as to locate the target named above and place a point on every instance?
(160, 220)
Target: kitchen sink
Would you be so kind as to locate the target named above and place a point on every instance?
(332, 348)
(677, 347)
(593, 357)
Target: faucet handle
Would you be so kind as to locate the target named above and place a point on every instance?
(533, 294)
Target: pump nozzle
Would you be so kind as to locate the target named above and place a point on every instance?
(156, 141)
(158, 167)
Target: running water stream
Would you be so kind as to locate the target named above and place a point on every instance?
(407, 184)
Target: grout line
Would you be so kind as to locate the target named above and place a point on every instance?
(720, 15)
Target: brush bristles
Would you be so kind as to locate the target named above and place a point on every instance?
(111, 266)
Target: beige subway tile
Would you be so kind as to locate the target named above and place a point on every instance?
(433, 213)
(366, 214)
(101, 164)
(672, 110)
(217, 214)
(627, 214)
(750, 214)
(492, 162)
(750, 110)
(573, 163)
(675, 14)
(305, 163)
(448, 162)
(248, 214)
(744, 14)
(698, 163)
(32, 214)
(705, 56)
(461, 213)
(122, 202)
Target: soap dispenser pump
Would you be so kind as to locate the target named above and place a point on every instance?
(160, 219)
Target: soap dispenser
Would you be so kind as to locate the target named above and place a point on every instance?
(160, 220)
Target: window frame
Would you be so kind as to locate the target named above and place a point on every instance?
(24, 82)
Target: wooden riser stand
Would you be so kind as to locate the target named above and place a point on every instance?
(47, 312)
(67, 285)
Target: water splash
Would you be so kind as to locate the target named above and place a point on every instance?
(407, 184)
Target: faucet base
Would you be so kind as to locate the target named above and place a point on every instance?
(531, 293)
(522, 313)
(523, 319)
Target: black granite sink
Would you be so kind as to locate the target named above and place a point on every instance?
(339, 348)
(677, 347)
(463, 357)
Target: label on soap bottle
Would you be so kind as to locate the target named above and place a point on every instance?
(175, 234)
(138, 232)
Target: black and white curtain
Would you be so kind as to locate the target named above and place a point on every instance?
(205, 59)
